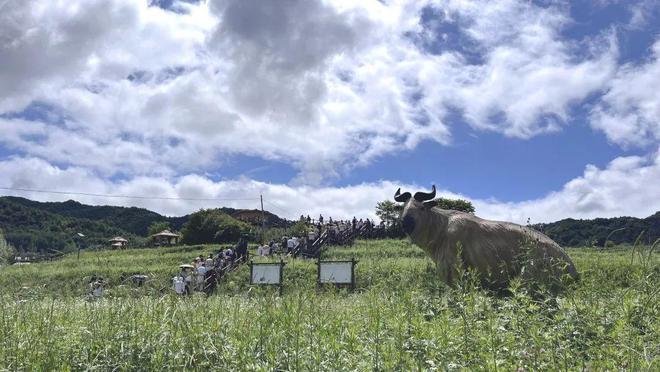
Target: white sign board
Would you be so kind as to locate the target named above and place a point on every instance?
(335, 272)
(266, 274)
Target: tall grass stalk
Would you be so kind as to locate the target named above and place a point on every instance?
(398, 318)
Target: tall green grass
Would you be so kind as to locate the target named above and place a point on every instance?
(399, 317)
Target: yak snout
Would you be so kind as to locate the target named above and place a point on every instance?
(408, 224)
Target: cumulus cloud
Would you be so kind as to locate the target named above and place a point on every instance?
(530, 75)
(323, 86)
(48, 45)
(629, 112)
(627, 186)
(157, 97)
(279, 52)
(642, 13)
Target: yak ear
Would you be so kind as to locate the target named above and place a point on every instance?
(430, 203)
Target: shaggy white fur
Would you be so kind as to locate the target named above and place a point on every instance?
(495, 250)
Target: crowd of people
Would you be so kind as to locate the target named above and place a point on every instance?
(203, 273)
(321, 222)
(363, 228)
(336, 226)
(286, 246)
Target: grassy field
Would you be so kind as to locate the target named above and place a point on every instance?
(399, 317)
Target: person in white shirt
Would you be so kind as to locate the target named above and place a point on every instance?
(179, 285)
(289, 245)
(312, 235)
(260, 251)
(187, 280)
(201, 273)
(96, 287)
(265, 251)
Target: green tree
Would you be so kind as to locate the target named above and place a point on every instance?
(7, 252)
(158, 226)
(213, 226)
(455, 204)
(388, 212)
(298, 229)
(230, 230)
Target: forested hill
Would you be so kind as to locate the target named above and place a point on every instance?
(35, 230)
(46, 227)
(133, 220)
(572, 233)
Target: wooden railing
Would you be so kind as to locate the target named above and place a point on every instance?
(343, 237)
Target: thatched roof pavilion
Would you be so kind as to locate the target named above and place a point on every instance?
(118, 242)
(165, 237)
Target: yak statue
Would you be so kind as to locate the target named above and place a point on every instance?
(496, 251)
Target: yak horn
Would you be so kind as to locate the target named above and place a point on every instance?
(424, 196)
(401, 198)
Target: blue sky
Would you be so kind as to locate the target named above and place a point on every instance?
(541, 110)
(487, 165)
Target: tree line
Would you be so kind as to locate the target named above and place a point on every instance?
(51, 228)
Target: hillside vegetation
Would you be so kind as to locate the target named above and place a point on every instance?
(399, 318)
(43, 232)
(619, 230)
(49, 228)
(132, 220)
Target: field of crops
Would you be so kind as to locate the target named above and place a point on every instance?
(399, 317)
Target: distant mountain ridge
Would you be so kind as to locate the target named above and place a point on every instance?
(41, 231)
(33, 226)
(619, 230)
(45, 227)
(131, 219)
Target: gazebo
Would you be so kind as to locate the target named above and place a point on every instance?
(118, 242)
(165, 237)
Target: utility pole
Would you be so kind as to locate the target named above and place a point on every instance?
(263, 218)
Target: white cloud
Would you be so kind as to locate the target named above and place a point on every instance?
(531, 75)
(323, 86)
(158, 97)
(629, 112)
(642, 13)
(47, 45)
(627, 186)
